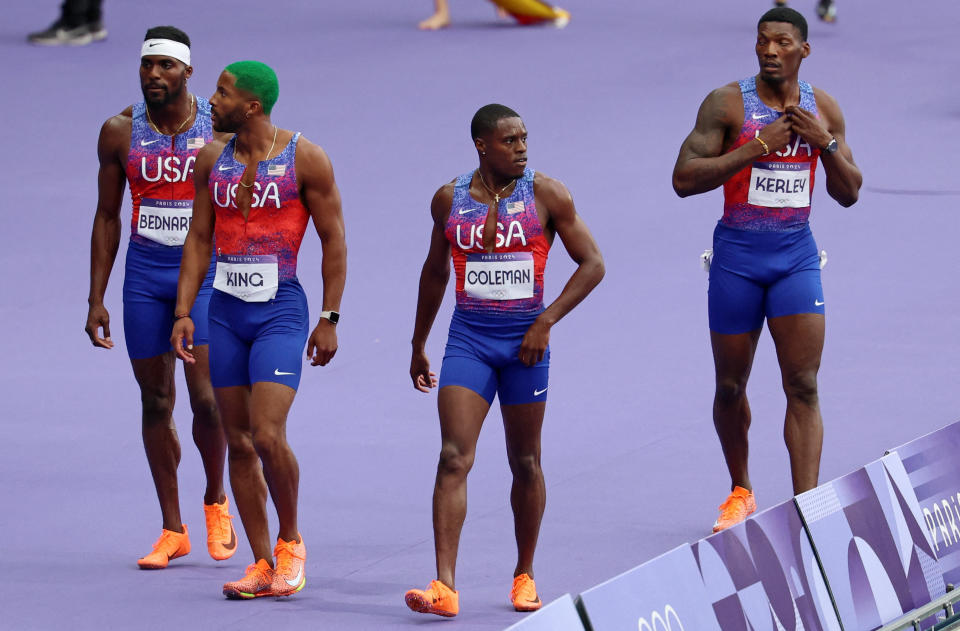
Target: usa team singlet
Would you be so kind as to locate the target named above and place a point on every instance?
(258, 311)
(160, 171)
(499, 295)
(765, 260)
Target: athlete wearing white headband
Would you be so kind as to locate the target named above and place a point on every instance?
(167, 48)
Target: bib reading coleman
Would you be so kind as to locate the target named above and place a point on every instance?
(509, 279)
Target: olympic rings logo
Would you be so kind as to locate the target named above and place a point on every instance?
(661, 623)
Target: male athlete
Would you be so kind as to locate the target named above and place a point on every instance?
(154, 145)
(497, 222)
(256, 194)
(760, 138)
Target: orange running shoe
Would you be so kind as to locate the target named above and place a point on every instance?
(170, 545)
(221, 537)
(523, 594)
(437, 599)
(256, 583)
(740, 504)
(289, 576)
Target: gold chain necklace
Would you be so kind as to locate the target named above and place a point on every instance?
(269, 151)
(193, 105)
(496, 196)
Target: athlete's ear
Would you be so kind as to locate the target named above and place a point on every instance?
(481, 145)
(806, 50)
(188, 72)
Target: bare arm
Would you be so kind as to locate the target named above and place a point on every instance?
(843, 176)
(582, 248)
(322, 198)
(197, 250)
(105, 238)
(433, 283)
(701, 165)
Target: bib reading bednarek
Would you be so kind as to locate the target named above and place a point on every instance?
(780, 184)
(251, 278)
(165, 221)
(507, 276)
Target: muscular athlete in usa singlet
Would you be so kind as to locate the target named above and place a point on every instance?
(258, 311)
(499, 295)
(160, 171)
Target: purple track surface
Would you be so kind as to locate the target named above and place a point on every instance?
(632, 464)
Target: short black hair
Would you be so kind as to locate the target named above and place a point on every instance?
(786, 14)
(167, 32)
(486, 118)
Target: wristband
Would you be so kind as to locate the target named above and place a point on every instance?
(766, 149)
(180, 316)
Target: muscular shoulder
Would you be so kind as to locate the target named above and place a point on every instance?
(209, 153)
(827, 106)
(724, 104)
(549, 190)
(442, 202)
(312, 160)
(120, 125)
(115, 134)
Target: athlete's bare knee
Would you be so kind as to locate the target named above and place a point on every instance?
(454, 462)
(157, 405)
(268, 442)
(239, 443)
(730, 391)
(801, 387)
(205, 411)
(525, 467)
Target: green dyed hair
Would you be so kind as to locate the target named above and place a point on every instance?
(258, 79)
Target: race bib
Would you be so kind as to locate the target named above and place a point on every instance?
(506, 276)
(780, 184)
(165, 221)
(249, 278)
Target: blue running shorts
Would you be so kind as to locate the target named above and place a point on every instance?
(150, 296)
(756, 275)
(481, 355)
(258, 341)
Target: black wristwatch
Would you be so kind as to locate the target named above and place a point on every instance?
(831, 147)
(331, 316)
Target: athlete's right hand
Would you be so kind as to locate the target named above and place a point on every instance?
(777, 134)
(97, 318)
(423, 377)
(183, 333)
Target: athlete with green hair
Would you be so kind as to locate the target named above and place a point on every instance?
(256, 193)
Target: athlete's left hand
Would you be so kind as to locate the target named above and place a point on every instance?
(322, 345)
(809, 127)
(534, 345)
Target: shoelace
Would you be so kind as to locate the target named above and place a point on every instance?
(285, 561)
(730, 501)
(165, 536)
(221, 527)
(260, 573)
(437, 591)
(524, 586)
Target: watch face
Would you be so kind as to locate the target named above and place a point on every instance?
(831, 146)
(334, 317)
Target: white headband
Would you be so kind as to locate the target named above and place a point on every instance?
(167, 48)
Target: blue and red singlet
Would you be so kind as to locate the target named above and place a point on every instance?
(258, 313)
(772, 194)
(765, 260)
(161, 177)
(499, 295)
(510, 279)
(160, 171)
